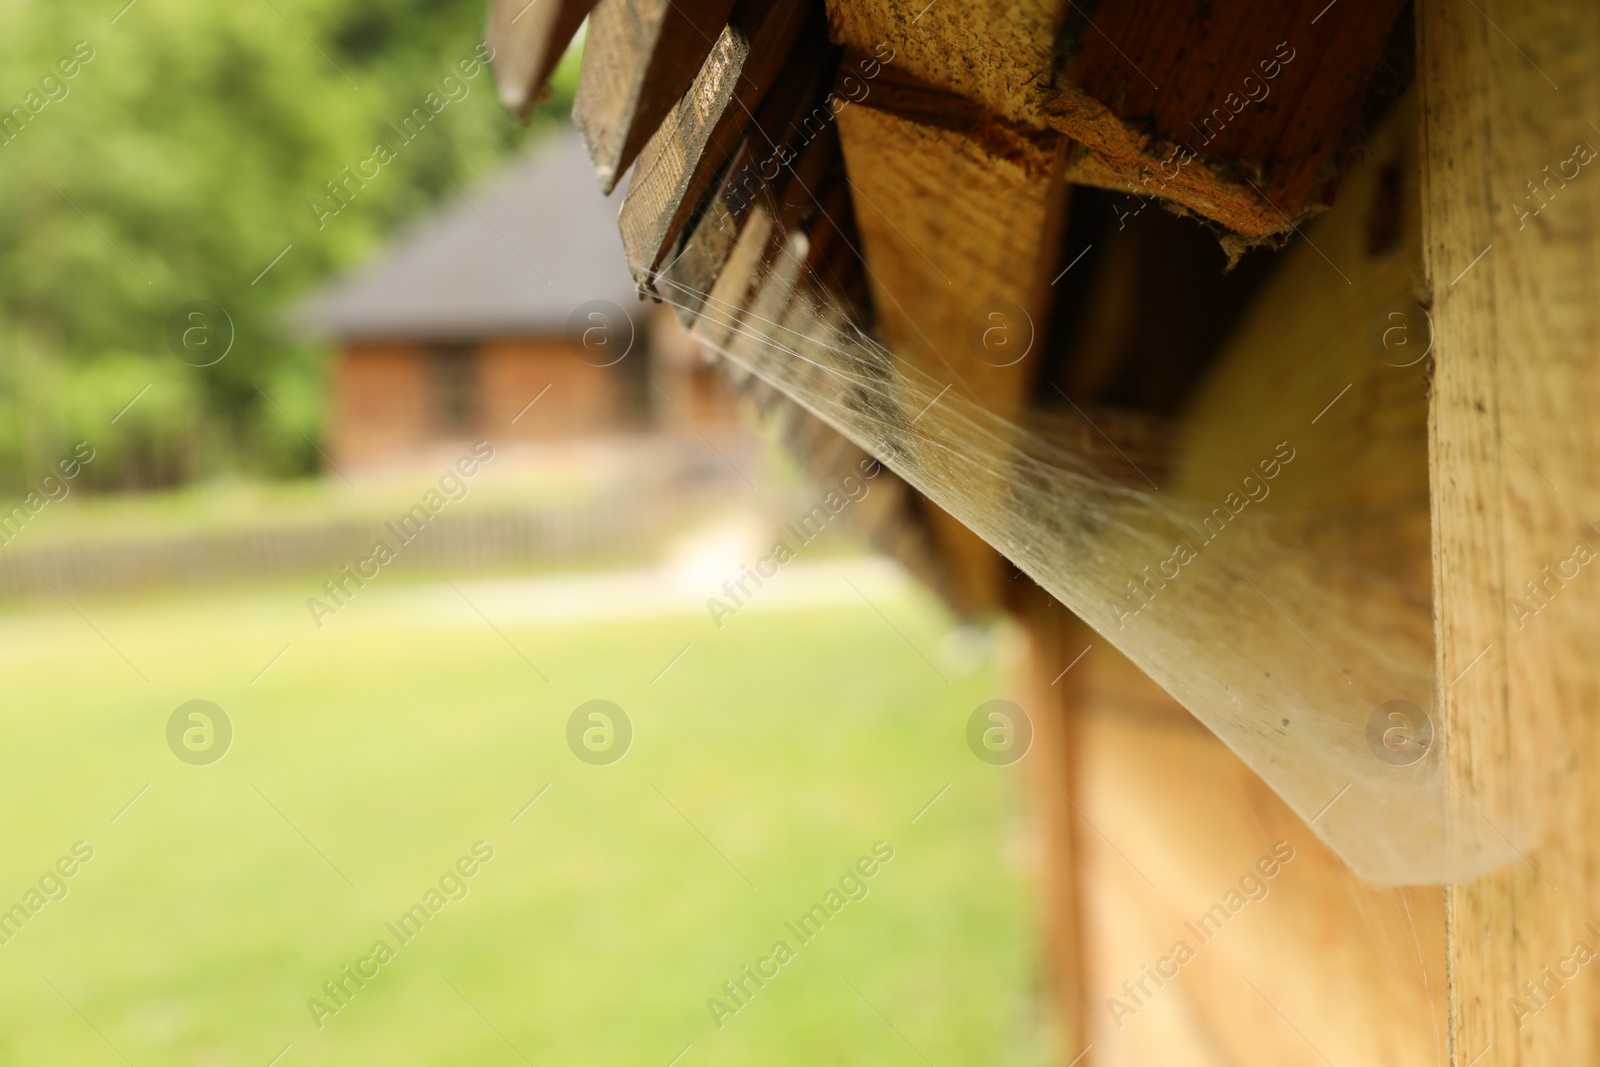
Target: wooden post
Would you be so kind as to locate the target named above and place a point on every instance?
(1511, 203)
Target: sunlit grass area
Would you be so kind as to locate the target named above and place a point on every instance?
(374, 754)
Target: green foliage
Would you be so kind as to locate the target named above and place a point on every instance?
(180, 157)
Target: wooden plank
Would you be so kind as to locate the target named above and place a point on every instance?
(641, 56)
(1307, 340)
(754, 174)
(959, 221)
(998, 53)
(527, 39)
(1514, 269)
(1245, 114)
(1303, 968)
(1147, 822)
(1242, 114)
(1050, 698)
(683, 158)
(1341, 548)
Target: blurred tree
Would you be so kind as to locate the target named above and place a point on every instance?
(169, 151)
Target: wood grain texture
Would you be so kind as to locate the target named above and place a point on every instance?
(640, 58)
(1051, 699)
(1244, 113)
(683, 158)
(528, 38)
(998, 53)
(1514, 446)
(756, 172)
(1321, 969)
(958, 225)
(1305, 351)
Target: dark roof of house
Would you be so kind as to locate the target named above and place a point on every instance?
(516, 255)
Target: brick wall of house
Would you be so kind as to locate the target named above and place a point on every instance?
(394, 399)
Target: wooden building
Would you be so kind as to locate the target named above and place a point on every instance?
(514, 293)
(1362, 226)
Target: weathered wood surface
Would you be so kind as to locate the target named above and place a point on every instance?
(960, 218)
(1319, 968)
(527, 38)
(1514, 270)
(685, 155)
(998, 53)
(1309, 348)
(1243, 113)
(1052, 701)
(756, 174)
(640, 58)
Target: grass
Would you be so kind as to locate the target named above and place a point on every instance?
(377, 751)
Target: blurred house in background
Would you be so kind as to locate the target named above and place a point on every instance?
(508, 316)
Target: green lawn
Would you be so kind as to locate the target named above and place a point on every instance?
(767, 760)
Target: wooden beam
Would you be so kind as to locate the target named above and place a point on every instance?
(997, 53)
(1514, 269)
(685, 155)
(1241, 113)
(960, 217)
(756, 178)
(527, 39)
(1321, 969)
(641, 56)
